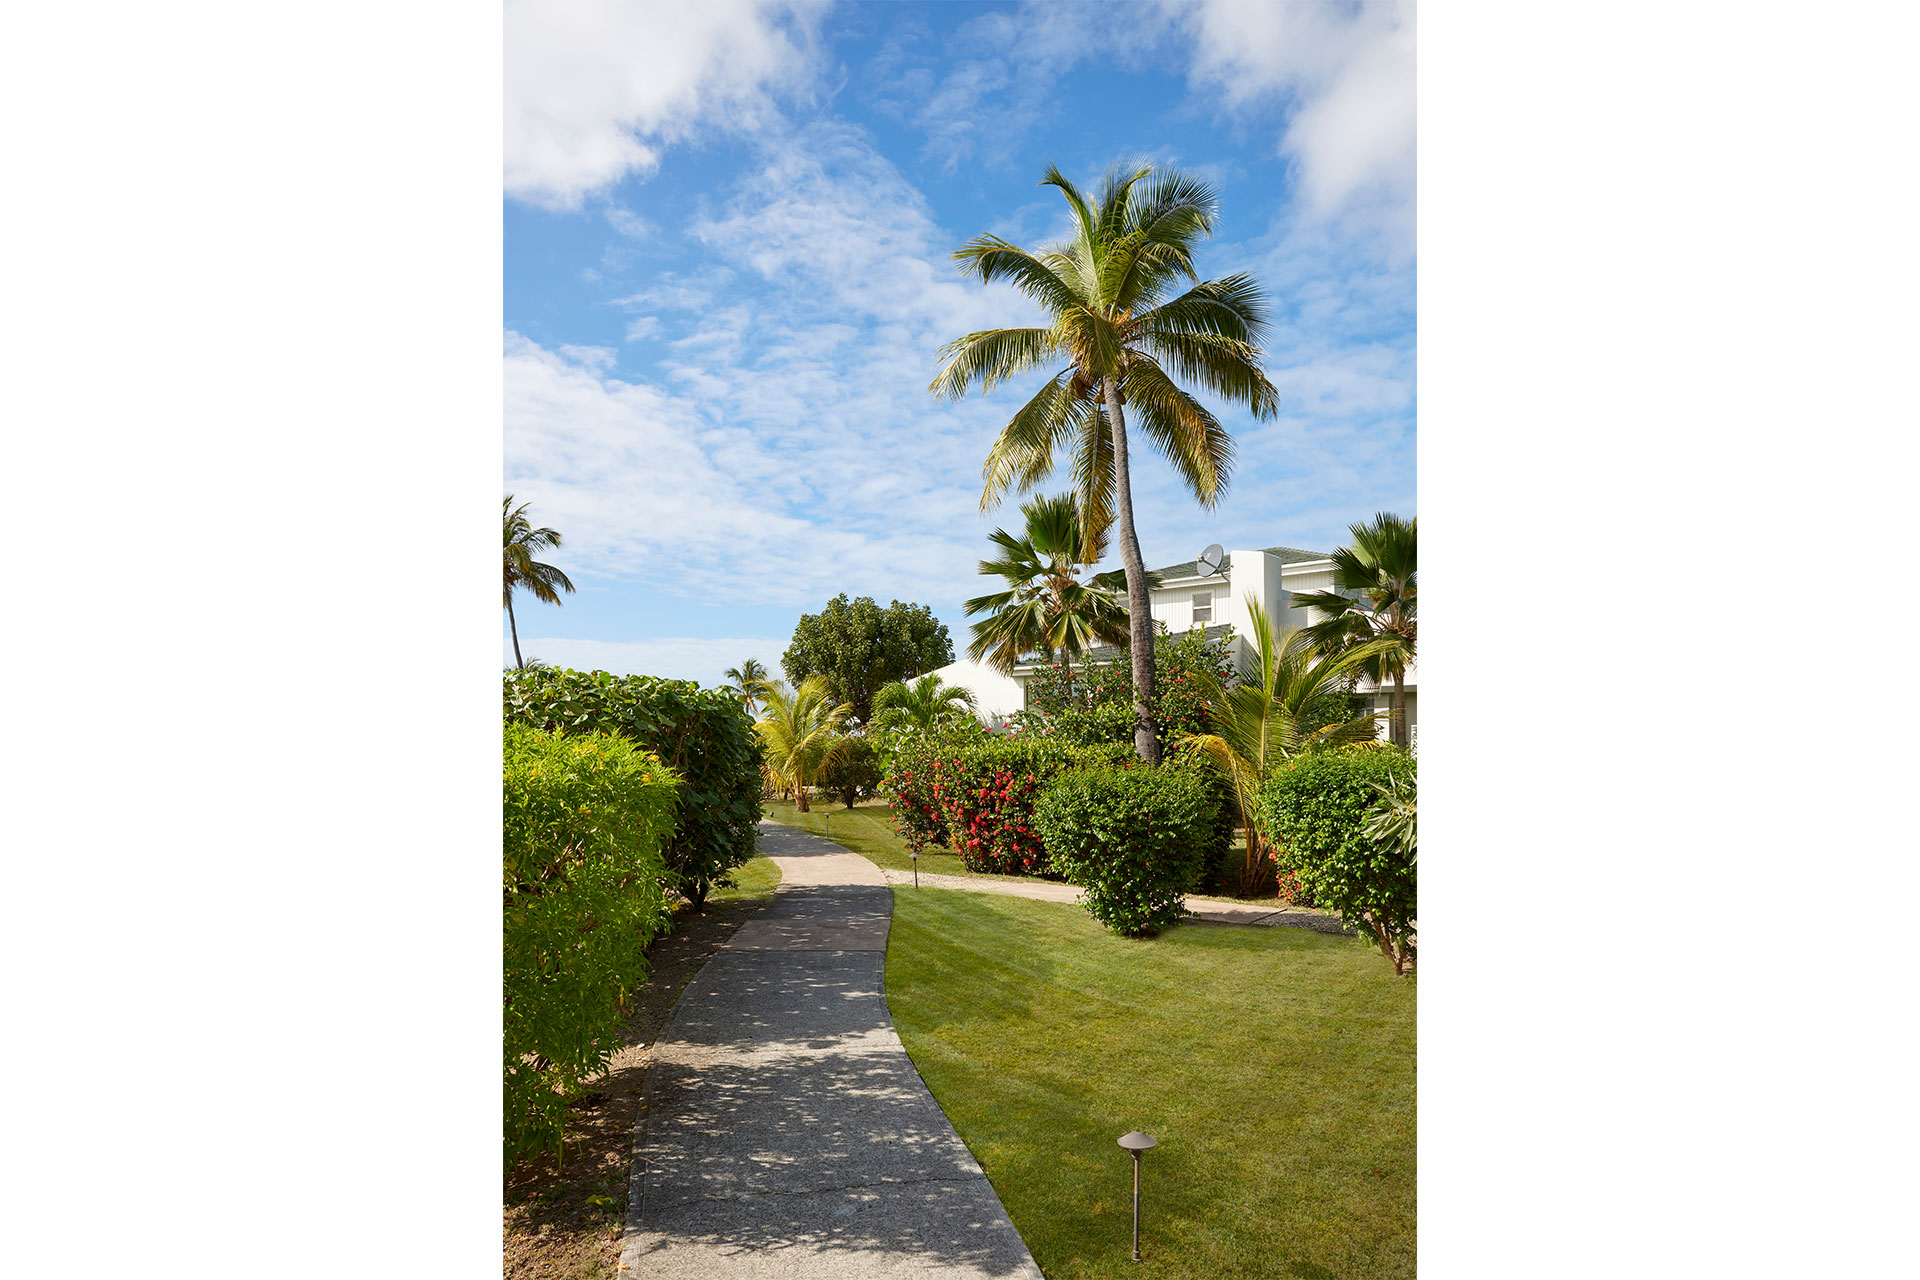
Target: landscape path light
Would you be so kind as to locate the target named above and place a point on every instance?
(916, 867)
(1136, 1142)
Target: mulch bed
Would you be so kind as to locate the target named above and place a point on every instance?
(564, 1222)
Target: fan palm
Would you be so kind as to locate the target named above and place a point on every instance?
(1046, 608)
(1124, 335)
(801, 728)
(1275, 711)
(543, 582)
(921, 704)
(1381, 566)
(747, 679)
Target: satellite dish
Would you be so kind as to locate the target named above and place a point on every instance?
(1209, 561)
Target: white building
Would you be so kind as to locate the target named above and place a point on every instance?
(1187, 598)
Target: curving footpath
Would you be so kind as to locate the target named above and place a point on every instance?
(785, 1132)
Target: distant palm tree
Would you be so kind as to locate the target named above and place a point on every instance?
(1124, 340)
(1275, 711)
(747, 679)
(1046, 609)
(801, 728)
(1381, 565)
(923, 704)
(522, 570)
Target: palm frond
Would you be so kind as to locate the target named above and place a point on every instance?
(989, 358)
(1182, 430)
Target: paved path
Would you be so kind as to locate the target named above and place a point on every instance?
(1254, 913)
(786, 1133)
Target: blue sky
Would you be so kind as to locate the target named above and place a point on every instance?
(727, 271)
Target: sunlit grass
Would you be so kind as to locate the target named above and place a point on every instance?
(1275, 1066)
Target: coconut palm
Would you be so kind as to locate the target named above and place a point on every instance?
(1275, 711)
(801, 728)
(747, 679)
(541, 581)
(921, 704)
(1046, 608)
(1380, 565)
(1124, 335)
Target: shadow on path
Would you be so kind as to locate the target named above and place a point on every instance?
(786, 1133)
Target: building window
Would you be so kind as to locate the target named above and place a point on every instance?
(1202, 608)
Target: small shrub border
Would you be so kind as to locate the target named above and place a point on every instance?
(584, 820)
(1318, 807)
(1133, 840)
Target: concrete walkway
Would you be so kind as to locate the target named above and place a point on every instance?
(1214, 912)
(786, 1133)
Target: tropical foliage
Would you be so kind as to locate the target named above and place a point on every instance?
(1046, 609)
(801, 728)
(523, 573)
(1279, 707)
(584, 821)
(1322, 808)
(1123, 339)
(700, 733)
(1380, 568)
(747, 679)
(920, 704)
(1093, 703)
(858, 647)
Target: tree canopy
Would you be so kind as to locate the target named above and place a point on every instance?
(858, 647)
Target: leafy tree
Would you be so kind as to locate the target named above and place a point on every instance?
(1381, 566)
(747, 679)
(1125, 337)
(1046, 609)
(922, 704)
(858, 646)
(1273, 713)
(523, 572)
(801, 729)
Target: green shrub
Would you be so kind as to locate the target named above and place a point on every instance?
(583, 823)
(1318, 808)
(974, 792)
(1094, 704)
(1134, 840)
(853, 776)
(704, 735)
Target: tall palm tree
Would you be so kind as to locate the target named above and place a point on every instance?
(1272, 714)
(1125, 336)
(1381, 566)
(747, 679)
(522, 570)
(1046, 608)
(923, 704)
(801, 728)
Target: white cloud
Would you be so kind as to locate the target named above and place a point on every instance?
(642, 327)
(700, 658)
(1348, 73)
(594, 88)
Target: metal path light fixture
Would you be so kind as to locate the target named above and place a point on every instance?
(916, 867)
(1136, 1142)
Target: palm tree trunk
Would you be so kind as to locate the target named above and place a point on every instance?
(1139, 604)
(1398, 712)
(518, 661)
(799, 793)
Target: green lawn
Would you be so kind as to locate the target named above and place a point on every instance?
(756, 878)
(1275, 1066)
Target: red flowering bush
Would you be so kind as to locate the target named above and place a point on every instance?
(975, 794)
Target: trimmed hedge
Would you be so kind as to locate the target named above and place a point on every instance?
(1317, 807)
(1133, 840)
(975, 794)
(704, 735)
(583, 823)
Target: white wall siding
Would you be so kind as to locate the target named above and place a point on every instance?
(994, 694)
